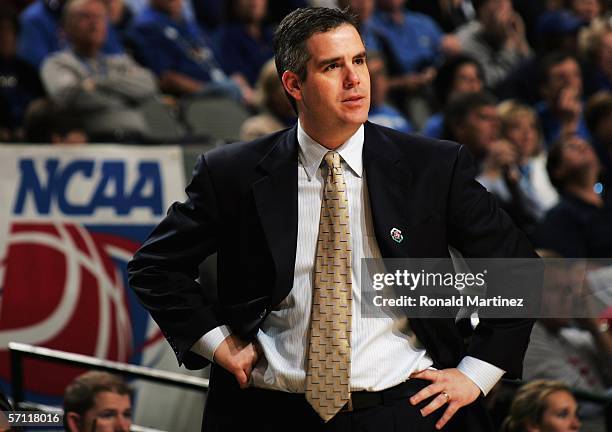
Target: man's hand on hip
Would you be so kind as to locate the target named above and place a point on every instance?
(449, 387)
(237, 357)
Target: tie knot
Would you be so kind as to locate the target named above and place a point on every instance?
(332, 159)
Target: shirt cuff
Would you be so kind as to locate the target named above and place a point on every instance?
(485, 375)
(208, 344)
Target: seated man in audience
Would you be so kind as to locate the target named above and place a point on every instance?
(179, 53)
(245, 43)
(598, 117)
(472, 119)
(381, 112)
(561, 108)
(414, 44)
(105, 90)
(496, 39)
(580, 226)
(40, 32)
(46, 123)
(19, 82)
(97, 401)
(364, 10)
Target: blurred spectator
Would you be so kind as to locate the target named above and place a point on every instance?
(380, 111)
(209, 14)
(560, 110)
(586, 10)
(448, 14)
(598, 117)
(46, 123)
(136, 6)
(276, 110)
(545, 406)
(120, 16)
(179, 53)
(414, 44)
(531, 11)
(459, 74)
(104, 90)
(596, 47)
(519, 126)
(364, 9)
(41, 35)
(496, 39)
(97, 401)
(19, 82)
(558, 349)
(245, 43)
(580, 225)
(19, 5)
(556, 31)
(471, 119)
(279, 8)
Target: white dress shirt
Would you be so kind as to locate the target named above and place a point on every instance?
(384, 351)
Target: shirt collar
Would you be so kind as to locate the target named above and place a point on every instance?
(312, 153)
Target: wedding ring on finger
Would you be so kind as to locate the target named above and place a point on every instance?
(446, 396)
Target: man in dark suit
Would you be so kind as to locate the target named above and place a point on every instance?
(257, 205)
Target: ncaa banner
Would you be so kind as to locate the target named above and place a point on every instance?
(70, 219)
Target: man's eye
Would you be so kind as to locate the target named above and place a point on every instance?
(360, 61)
(331, 66)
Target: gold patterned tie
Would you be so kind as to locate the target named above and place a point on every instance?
(329, 352)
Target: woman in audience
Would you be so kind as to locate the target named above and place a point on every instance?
(588, 10)
(543, 406)
(460, 74)
(276, 112)
(519, 126)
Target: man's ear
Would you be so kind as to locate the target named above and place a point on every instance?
(74, 422)
(292, 85)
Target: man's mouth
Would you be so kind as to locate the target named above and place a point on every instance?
(353, 98)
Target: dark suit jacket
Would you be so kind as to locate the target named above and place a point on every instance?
(242, 204)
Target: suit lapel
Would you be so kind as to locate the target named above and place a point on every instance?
(388, 180)
(276, 201)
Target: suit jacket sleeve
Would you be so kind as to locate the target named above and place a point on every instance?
(479, 229)
(164, 270)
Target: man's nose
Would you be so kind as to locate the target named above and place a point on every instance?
(351, 79)
(122, 424)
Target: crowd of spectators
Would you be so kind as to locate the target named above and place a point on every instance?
(525, 85)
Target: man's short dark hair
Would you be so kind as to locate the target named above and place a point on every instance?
(478, 4)
(290, 52)
(554, 162)
(80, 394)
(44, 118)
(459, 108)
(8, 14)
(550, 61)
(598, 109)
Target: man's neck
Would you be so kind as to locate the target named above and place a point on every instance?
(86, 52)
(326, 139)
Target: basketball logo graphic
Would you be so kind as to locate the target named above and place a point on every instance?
(71, 223)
